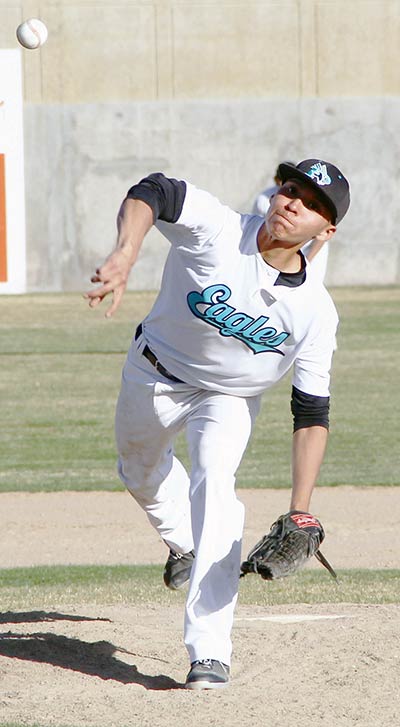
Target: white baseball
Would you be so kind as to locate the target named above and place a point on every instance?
(32, 33)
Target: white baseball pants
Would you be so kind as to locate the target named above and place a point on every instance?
(200, 511)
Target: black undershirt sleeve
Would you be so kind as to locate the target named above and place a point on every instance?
(165, 196)
(309, 410)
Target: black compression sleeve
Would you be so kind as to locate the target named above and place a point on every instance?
(165, 196)
(309, 410)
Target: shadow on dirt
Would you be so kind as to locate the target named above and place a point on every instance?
(19, 617)
(95, 659)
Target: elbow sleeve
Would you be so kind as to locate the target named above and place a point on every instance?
(309, 410)
(165, 196)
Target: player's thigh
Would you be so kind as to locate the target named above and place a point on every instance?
(142, 440)
(218, 431)
(149, 415)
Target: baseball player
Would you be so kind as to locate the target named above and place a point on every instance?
(237, 308)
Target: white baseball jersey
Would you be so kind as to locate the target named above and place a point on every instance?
(222, 321)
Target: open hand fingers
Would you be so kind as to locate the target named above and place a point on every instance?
(112, 276)
(117, 297)
(99, 292)
(95, 297)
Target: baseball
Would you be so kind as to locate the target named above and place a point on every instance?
(32, 33)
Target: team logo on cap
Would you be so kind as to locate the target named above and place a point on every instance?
(319, 173)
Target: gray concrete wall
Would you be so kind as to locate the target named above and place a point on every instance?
(91, 154)
(213, 91)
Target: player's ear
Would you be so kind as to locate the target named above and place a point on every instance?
(326, 233)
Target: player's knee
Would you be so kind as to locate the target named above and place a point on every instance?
(134, 475)
(213, 463)
(141, 477)
(219, 482)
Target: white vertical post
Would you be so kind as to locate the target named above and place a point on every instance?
(12, 187)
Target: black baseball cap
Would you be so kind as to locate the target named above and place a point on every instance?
(326, 178)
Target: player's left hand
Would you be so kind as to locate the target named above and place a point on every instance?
(293, 539)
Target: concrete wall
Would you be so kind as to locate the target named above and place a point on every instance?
(215, 92)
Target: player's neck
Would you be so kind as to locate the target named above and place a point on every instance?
(281, 257)
(285, 264)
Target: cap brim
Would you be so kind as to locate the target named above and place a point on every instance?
(289, 171)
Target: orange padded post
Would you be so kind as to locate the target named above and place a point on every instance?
(3, 226)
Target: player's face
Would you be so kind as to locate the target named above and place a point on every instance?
(297, 214)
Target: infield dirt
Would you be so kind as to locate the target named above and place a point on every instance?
(335, 665)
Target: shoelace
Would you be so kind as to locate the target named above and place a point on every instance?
(178, 556)
(205, 662)
(326, 564)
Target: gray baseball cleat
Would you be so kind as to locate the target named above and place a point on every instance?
(177, 569)
(207, 674)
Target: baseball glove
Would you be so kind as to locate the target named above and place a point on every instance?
(292, 540)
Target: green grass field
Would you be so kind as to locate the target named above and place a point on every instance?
(61, 365)
(142, 585)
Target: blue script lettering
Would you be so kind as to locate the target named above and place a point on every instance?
(210, 307)
(219, 311)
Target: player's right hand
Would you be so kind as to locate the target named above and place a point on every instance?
(113, 276)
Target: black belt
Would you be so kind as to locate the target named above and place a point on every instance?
(148, 353)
